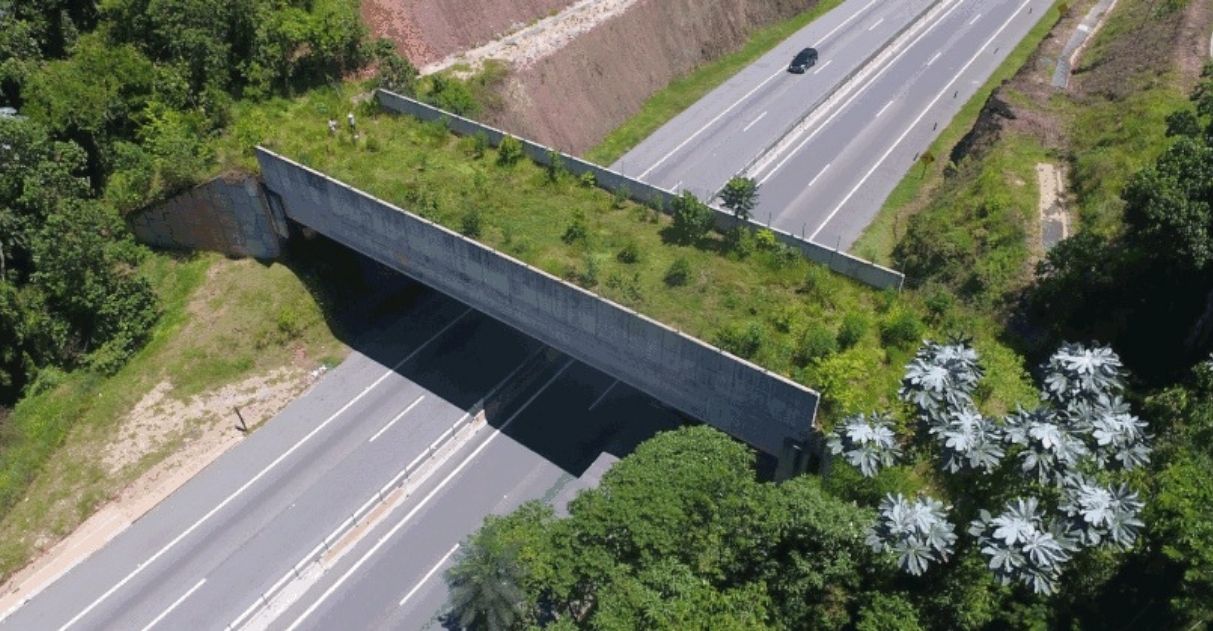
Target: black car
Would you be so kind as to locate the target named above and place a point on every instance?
(803, 60)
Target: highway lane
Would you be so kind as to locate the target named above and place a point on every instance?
(557, 444)
(229, 533)
(718, 136)
(835, 175)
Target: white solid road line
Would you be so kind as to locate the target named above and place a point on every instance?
(753, 122)
(886, 106)
(875, 24)
(397, 418)
(865, 84)
(914, 124)
(437, 489)
(427, 576)
(253, 480)
(819, 174)
(603, 395)
(747, 95)
(175, 604)
(822, 66)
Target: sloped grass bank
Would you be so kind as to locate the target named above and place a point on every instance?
(222, 321)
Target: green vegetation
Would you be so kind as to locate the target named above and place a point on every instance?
(222, 320)
(883, 234)
(681, 93)
(753, 297)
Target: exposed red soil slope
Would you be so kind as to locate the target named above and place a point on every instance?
(428, 30)
(573, 98)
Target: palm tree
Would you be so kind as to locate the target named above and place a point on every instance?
(740, 195)
(485, 585)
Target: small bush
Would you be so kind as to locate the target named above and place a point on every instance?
(577, 230)
(766, 240)
(588, 180)
(741, 242)
(288, 323)
(629, 254)
(555, 166)
(854, 327)
(509, 152)
(471, 223)
(619, 198)
(786, 319)
(902, 330)
(480, 144)
(742, 341)
(692, 219)
(817, 342)
(939, 302)
(679, 273)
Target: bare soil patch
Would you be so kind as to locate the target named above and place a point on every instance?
(428, 30)
(573, 99)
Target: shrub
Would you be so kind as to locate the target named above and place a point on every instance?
(577, 230)
(744, 342)
(509, 152)
(471, 223)
(619, 198)
(901, 330)
(817, 342)
(555, 166)
(588, 180)
(766, 240)
(629, 254)
(692, 219)
(854, 327)
(480, 144)
(679, 273)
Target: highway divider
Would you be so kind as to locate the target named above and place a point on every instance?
(841, 262)
(313, 564)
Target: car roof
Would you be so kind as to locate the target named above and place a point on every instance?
(808, 52)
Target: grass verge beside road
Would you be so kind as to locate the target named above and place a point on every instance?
(685, 91)
(223, 321)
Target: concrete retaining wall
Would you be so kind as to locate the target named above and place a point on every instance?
(755, 405)
(841, 262)
(227, 215)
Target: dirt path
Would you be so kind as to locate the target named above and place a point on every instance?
(1054, 219)
(532, 43)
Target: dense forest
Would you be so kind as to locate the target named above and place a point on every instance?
(107, 106)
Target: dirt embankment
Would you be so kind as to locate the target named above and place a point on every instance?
(428, 30)
(572, 98)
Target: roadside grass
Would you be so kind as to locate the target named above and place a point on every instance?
(772, 306)
(683, 92)
(222, 321)
(919, 183)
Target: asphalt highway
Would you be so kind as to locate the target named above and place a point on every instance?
(827, 176)
(578, 424)
(832, 177)
(717, 137)
(203, 558)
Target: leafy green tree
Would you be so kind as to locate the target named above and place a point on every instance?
(692, 218)
(740, 195)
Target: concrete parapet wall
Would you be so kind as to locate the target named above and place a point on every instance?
(755, 405)
(227, 215)
(841, 262)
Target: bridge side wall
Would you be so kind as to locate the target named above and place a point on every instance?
(754, 405)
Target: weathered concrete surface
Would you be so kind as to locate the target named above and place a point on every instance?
(228, 215)
(757, 406)
(841, 262)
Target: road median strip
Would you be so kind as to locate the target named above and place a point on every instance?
(301, 576)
